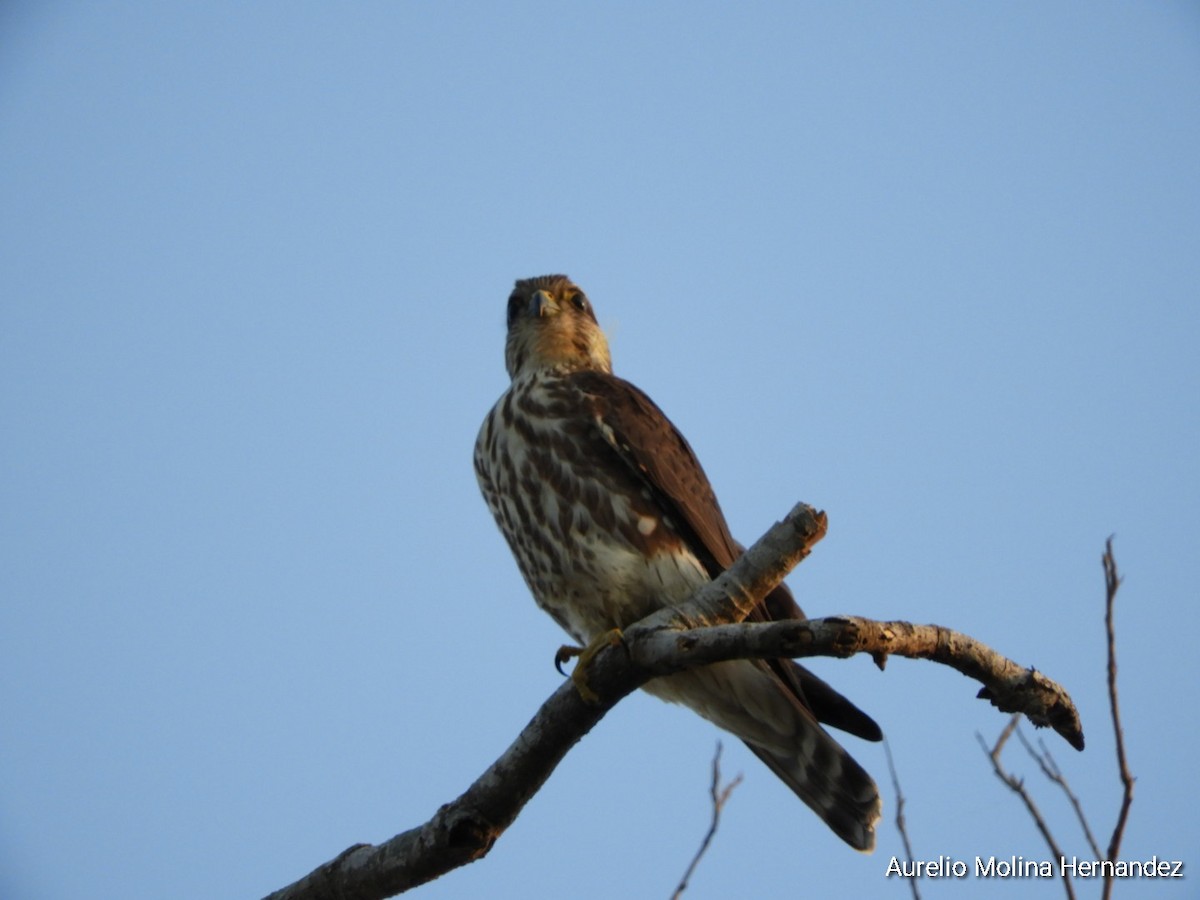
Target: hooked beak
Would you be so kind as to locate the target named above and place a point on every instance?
(542, 304)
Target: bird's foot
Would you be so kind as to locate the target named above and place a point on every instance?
(579, 674)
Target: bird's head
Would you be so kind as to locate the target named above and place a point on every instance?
(551, 325)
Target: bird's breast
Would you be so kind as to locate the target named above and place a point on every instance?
(594, 547)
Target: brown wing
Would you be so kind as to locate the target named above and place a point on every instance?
(659, 455)
(663, 460)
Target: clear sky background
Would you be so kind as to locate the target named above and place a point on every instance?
(934, 268)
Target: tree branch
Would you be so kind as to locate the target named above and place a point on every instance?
(465, 829)
(1017, 785)
(1050, 769)
(1010, 687)
(1112, 581)
(720, 796)
(901, 825)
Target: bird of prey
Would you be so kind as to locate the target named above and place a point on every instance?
(610, 517)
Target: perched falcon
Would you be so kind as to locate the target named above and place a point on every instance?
(611, 517)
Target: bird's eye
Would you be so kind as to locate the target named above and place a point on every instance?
(514, 308)
(580, 302)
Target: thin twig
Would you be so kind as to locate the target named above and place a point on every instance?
(900, 823)
(719, 796)
(1112, 581)
(1051, 770)
(1017, 785)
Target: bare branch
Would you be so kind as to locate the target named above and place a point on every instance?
(720, 795)
(465, 829)
(900, 824)
(1112, 581)
(1050, 769)
(755, 574)
(1008, 686)
(1018, 786)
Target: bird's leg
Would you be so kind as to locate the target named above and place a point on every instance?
(579, 674)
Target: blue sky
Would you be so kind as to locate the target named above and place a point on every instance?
(932, 268)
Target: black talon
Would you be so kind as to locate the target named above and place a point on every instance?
(565, 652)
